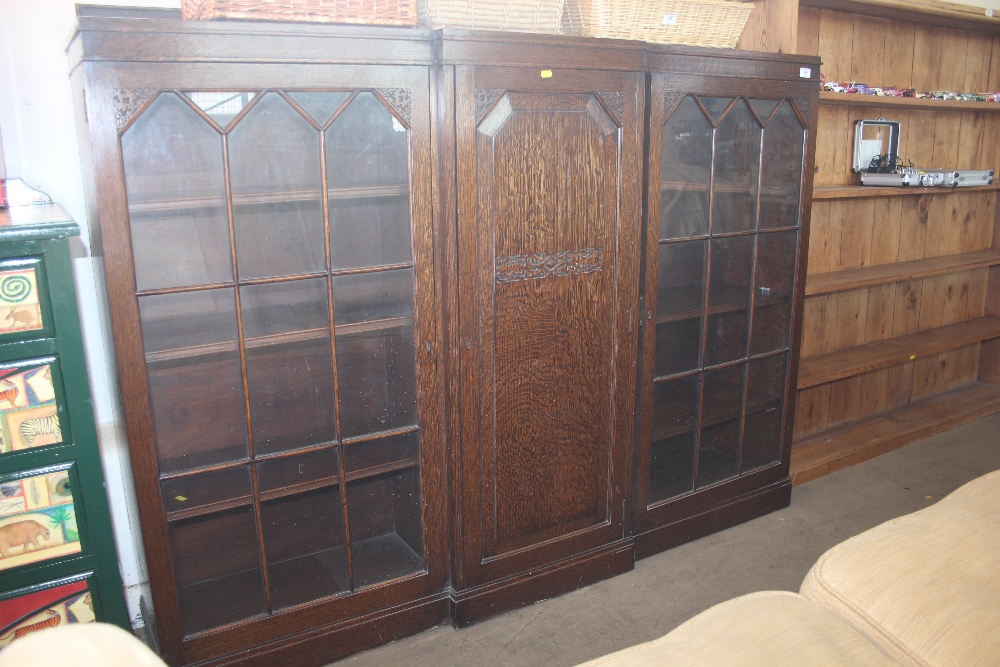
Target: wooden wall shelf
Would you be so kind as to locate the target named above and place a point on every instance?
(861, 191)
(851, 361)
(912, 103)
(881, 274)
(899, 273)
(963, 17)
(845, 445)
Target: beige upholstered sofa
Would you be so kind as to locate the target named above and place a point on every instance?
(923, 589)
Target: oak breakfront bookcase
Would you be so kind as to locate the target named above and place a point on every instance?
(415, 326)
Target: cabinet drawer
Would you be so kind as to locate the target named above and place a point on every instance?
(25, 310)
(32, 405)
(46, 605)
(38, 516)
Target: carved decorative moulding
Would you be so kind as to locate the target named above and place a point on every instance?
(400, 99)
(802, 106)
(672, 100)
(127, 102)
(615, 101)
(548, 265)
(485, 99)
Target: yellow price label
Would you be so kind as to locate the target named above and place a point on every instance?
(546, 74)
(180, 498)
(912, 357)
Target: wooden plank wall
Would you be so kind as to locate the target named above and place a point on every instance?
(860, 232)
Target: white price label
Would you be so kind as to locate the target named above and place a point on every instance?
(805, 72)
(670, 19)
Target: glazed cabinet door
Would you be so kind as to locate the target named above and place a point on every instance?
(270, 273)
(722, 245)
(548, 169)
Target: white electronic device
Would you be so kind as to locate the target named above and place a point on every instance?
(957, 178)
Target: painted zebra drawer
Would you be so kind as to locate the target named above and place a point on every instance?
(32, 412)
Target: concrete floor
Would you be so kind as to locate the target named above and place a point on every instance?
(770, 553)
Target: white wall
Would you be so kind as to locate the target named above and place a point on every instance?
(40, 146)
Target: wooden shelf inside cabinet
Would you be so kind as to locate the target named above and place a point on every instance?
(278, 339)
(884, 101)
(686, 302)
(370, 192)
(881, 274)
(292, 489)
(677, 186)
(716, 411)
(210, 508)
(842, 446)
(851, 361)
(933, 12)
(822, 192)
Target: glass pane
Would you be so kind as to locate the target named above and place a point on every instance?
(395, 452)
(368, 174)
(722, 405)
(781, 170)
(218, 490)
(319, 106)
(773, 277)
(728, 299)
(765, 394)
(374, 316)
(195, 381)
(680, 303)
(305, 542)
(217, 566)
(737, 154)
(687, 166)
(289, 364)
(386, 532)
(302, 472)
(671, 465)
(176, 197)
(274, 160)
(764, 108)
(222, 107)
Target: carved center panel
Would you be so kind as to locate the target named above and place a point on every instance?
(548, 265)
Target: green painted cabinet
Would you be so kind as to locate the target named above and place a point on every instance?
(57, 554)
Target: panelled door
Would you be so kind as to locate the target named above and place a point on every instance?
(270, 267)
(548, 187)
(722, 243)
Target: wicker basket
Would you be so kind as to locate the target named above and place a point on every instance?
(372, 12)
(541, 16)
(693, 22)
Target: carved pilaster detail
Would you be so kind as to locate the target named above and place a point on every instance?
(547, 265)
(127, 102)
(400, 99)
(485, 99)
(671, 100)
(614, 101)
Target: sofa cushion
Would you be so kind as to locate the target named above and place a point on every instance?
(766, 629)
(924, 587)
